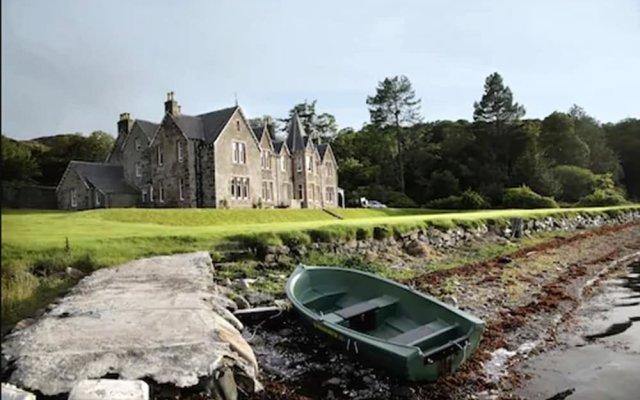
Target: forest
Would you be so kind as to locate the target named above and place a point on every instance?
(499, 158)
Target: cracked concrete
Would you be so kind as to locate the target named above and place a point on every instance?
(160, 318)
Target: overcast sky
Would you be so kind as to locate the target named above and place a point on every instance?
(75, 65)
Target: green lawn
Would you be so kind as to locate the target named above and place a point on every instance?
(34, 242)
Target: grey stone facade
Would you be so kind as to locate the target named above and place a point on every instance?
(214, 159)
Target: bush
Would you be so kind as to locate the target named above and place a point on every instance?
(523, 197)
(295, 238)
(575, 182)
(363, 233)
(469, 200)
(602, 198)
(400, 200)
(447, 203)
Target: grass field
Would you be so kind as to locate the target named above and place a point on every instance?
(34, 243)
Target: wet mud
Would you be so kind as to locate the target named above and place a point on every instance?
(298, 363)
(598, 355)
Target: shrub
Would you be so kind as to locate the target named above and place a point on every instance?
(447, 203)
(523, 197)
(295, 238)
(363, 233)
(400, 200)
(471, 200)
(381, 232)
(602, 198)
(575, 182)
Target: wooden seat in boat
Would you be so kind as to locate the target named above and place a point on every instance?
(365, 306)
(421, 333)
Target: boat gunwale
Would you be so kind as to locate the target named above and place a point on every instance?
(301, 268)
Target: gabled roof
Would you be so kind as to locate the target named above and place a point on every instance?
(149, 128)
(296, 134)
(277, 145)
(205, 127)
(259, 130)
(108, 178)
(322, 149)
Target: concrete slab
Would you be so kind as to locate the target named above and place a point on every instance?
(160, 318)
(10, 392)
(109, 389)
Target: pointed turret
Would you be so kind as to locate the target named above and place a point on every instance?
(296, 134)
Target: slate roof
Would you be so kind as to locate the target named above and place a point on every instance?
(108, 178)
(296, 134)
(322, 149)
(207, 126)
(149, 128)
(277, 145)
(259, 131)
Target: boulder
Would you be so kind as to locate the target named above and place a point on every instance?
(417, 248)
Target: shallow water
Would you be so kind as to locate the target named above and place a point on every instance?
(600, 357)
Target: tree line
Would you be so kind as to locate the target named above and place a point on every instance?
(42, 161)
(568, 157)
(497, 159)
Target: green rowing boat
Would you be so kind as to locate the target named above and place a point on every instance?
(410, 334)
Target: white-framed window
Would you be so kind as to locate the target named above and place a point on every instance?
(309, 163)
(160, 155)
(138, 170)
(180, 151)
(329, 195)
(151, 194)
(144, 195)
(74, 198)
(283, 163)
(161, 193)
(181, 188)
(265, 160)
(138, 145)
(267, 190)
(97, 196)
(239, 188)
(239, 154)
(299, 159)
(245, 188)
(300, 193)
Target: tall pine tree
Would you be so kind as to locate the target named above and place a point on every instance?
(395, 106)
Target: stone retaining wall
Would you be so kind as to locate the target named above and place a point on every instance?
(416, 242)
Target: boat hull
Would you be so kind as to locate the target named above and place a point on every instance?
(411, 362)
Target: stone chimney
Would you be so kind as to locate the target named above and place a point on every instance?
(124, 124)
(171, 105)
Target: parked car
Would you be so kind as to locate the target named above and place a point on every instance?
(375, 204)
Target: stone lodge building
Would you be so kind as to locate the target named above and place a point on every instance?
(209, 160)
